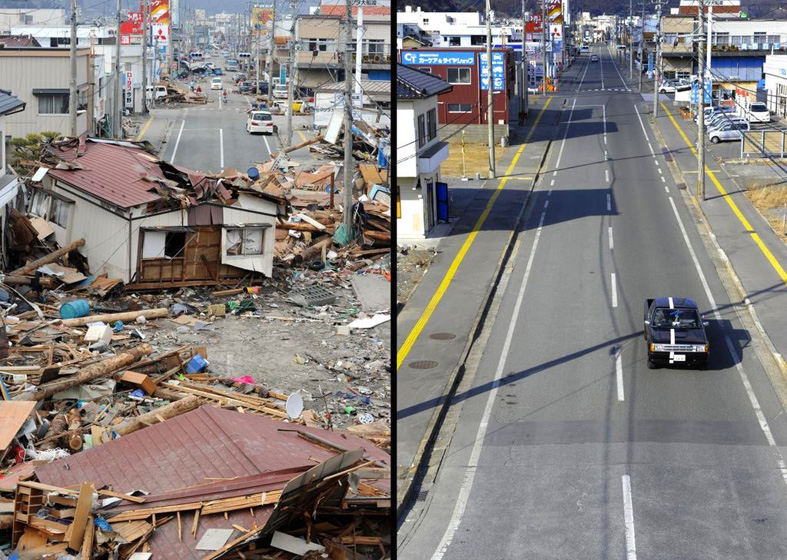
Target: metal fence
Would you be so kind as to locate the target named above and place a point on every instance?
(764, 143)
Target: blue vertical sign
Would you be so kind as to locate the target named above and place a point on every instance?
(695, 92)
(650, 64)
(498, 71)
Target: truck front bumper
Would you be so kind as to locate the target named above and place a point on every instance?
(679, 358)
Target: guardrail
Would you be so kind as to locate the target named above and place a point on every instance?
(764, 143)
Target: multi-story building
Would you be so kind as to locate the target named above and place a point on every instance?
(9, 183)
(320, 56)
(13, 17)
(40, 77)
(775, 70)
(421, 199)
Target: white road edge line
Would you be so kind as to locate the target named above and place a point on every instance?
(467, 482)
(221, 147)
(611, 243)
(744, 377)
(267, 145)
(628, 514)
(565, 135)
(177, 142)
(619, 74)
(619, 375)
(614, 291)
(644, 131)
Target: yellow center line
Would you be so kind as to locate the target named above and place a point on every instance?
(302, 135)
(144, 129)
(449, 276)
(746, 225)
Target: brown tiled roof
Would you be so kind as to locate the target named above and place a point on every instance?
(199, 447)
(112, 173)
(18, 41)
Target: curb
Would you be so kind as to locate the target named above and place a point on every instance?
(417, 469)
(676, 172)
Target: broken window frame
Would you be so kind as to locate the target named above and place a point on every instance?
(245, 230)
(168, 232)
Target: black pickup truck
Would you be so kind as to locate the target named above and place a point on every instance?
(675, 333)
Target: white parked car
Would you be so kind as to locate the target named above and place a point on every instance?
(758, 112)
(280, 91)
(260, 121)
(215, 83)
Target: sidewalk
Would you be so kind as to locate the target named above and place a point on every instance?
(155, 127)
(756, 256)
(436, 326)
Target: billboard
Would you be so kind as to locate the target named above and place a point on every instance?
(131, 29)
(555, 11)
(261, 17)
(498, 71)
(128, 90)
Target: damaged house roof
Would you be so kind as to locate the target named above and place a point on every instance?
(125, 174)
(227, 453)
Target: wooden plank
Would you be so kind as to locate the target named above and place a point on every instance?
(81, 517)
(111, 494)
(87, 543)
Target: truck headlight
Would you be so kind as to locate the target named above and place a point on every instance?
(701, 348)
(657, 348)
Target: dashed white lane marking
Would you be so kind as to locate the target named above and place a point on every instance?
(609, 203)
(611, 243)
(666, 188)
(549, 193)
(177, 142)
(639, 117)
(619, 375)
(628, 514)
(221, 147)
(546, 205)
(606, 174)
(659, 170)
(733, 353)
(552, 183)
(606, 156)
(467, 482)
(614, 291)
(663, 180)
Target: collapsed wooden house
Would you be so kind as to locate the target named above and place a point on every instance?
(154, 224)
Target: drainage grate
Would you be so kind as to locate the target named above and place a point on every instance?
(312, 296)
(423, 364)
(442, 336)
(421, 497)
(681, 186)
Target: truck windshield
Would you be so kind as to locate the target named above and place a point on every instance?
(676, 318)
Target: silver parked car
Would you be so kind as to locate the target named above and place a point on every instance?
(720, 118)
(729, 131)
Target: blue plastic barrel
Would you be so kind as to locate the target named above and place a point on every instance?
(253, 173)
(74, 309)
(196, 365)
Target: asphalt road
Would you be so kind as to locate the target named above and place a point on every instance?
(213, 137)
(566, 445)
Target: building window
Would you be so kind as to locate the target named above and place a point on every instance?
(760, 38)
(459, 107)
(774, 39)
(721, 38)
(421, 130)
(738, 40)
(322, 45)
(244, 241)
(454, 41)
(60, 41)
(59, 212)
(375, 47)
(431, 124)
(477, 40)
(53, 104)
(459, 76)
(426, 21)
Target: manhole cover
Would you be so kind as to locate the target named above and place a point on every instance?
(442, 336)
(423, 364)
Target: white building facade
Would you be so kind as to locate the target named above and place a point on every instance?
(775, 70)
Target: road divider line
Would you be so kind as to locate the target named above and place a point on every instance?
(735, 210)
(177, 142)
(763, 422)
(565, 135)
(663, 180)
(628, 515)
(609, 202)
(619, 375)
(407, 345)
(611, 243)
(645, 132)
(614, 291)
(467, 480)
(221, 147)
(606, 175)
(144, 129)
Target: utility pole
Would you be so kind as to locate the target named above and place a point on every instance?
(118, 128)
(145, 59)
(72, 90)
(657, 63)
(490, 103)
(641, 45)
(349, 166)
(525, 77)
(710, 42)
(271, 47)
(359, 54)
(701, 109)
(544, 31)
(631, 40)
(290, 65)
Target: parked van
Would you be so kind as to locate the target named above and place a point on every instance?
(161, 91)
